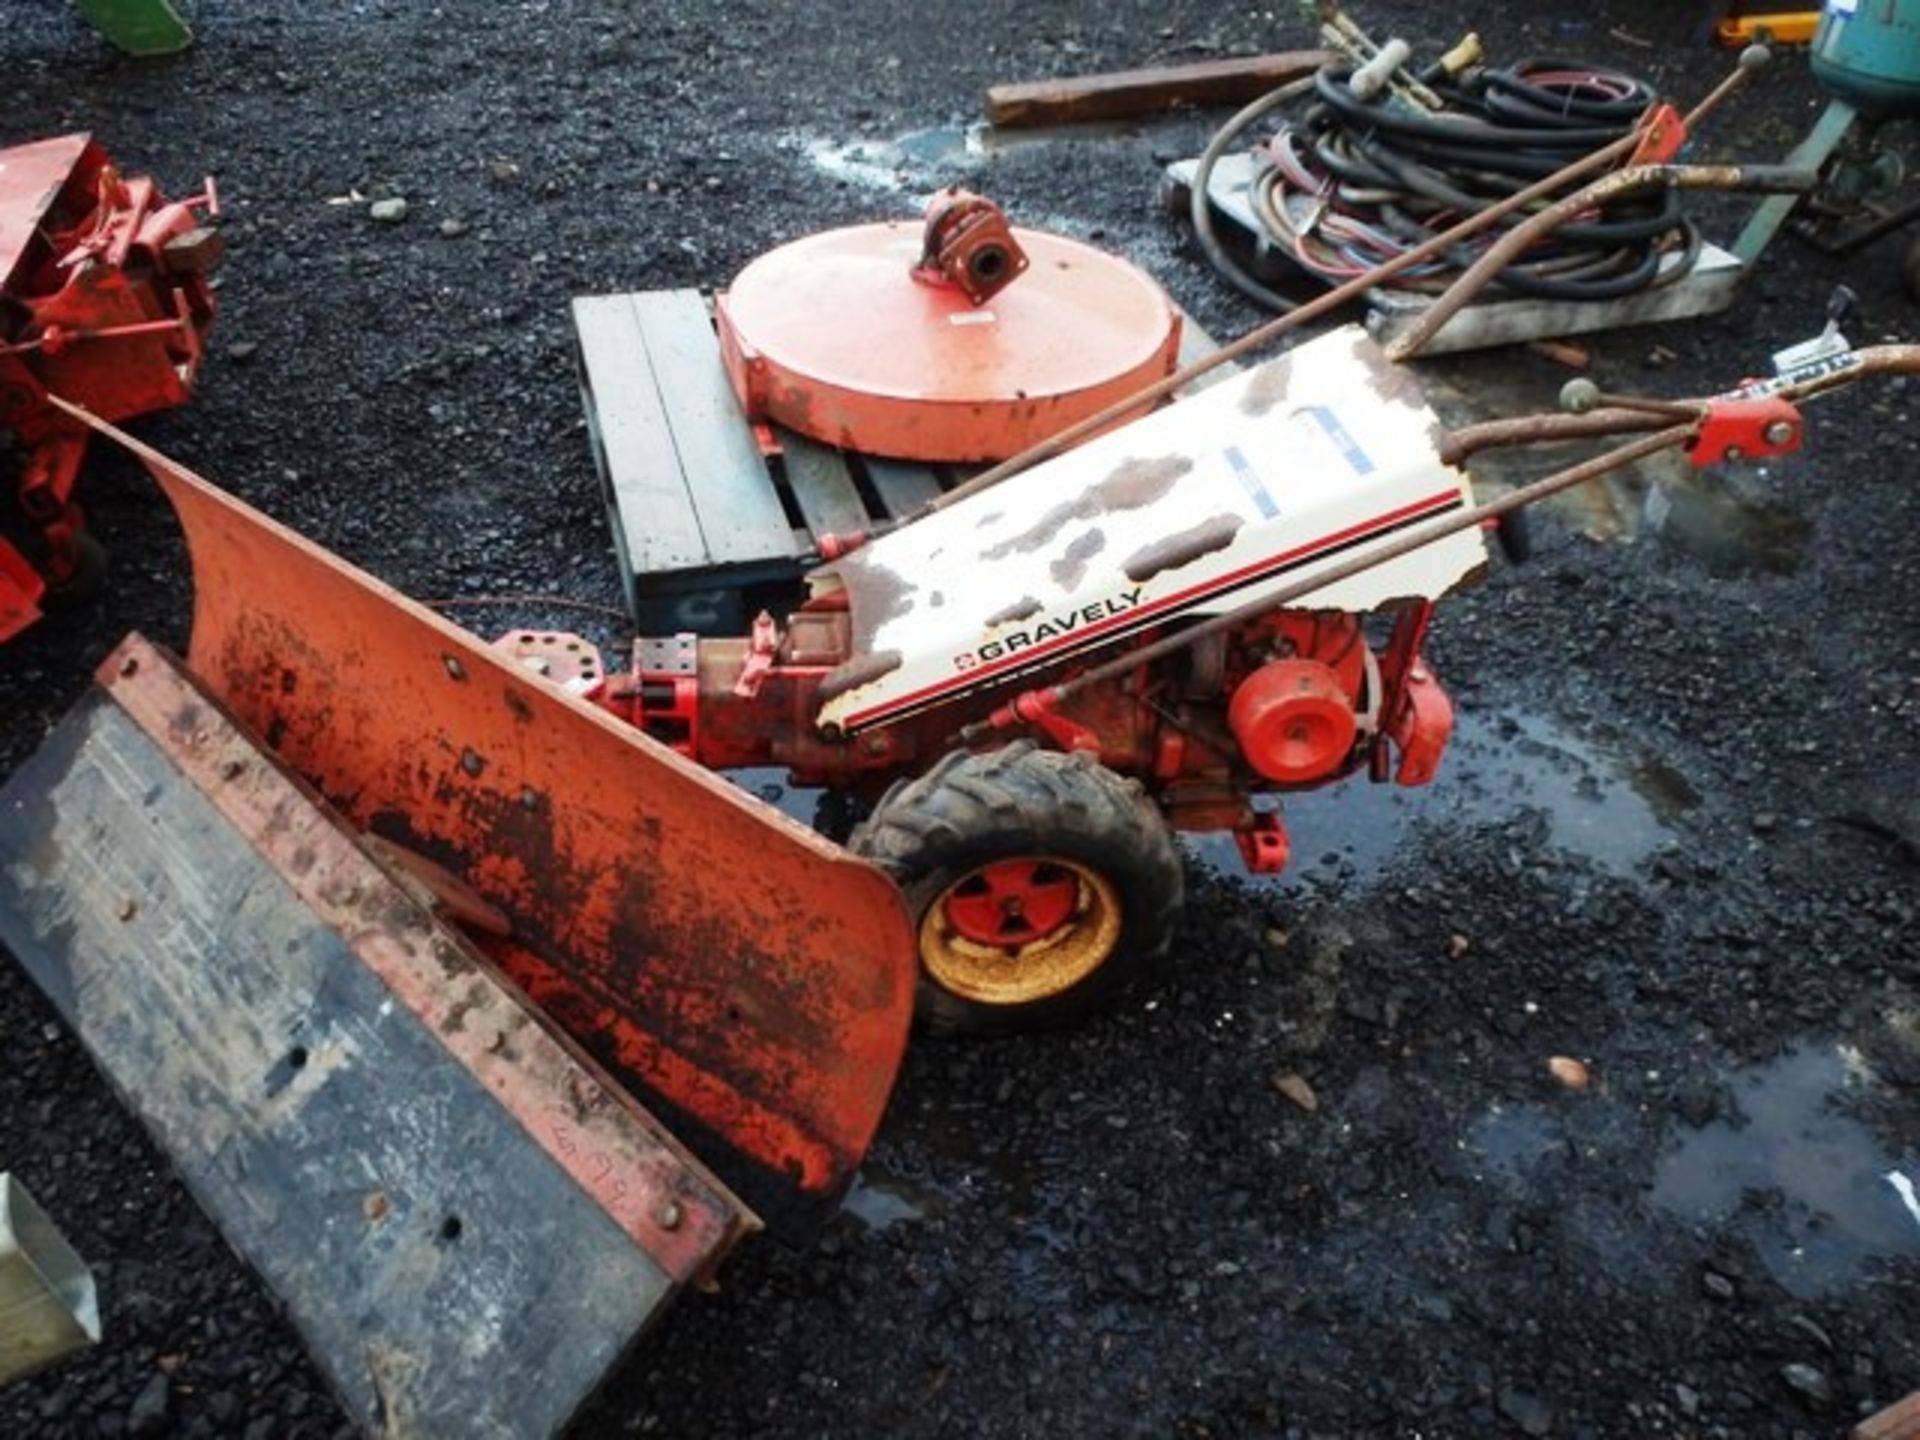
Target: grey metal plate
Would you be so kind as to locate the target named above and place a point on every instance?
(447, 1274)
(740, 514)
(822, 484)
(686, 485)
(902, 485)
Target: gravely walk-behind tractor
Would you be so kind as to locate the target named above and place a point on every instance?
(1223, 601)
(1040, 873)
(104, 301)
(1139, 624)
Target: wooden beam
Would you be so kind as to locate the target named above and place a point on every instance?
(1123, 93)
(1899, 1421)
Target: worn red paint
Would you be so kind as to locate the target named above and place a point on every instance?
(750, 981)
(104, 301)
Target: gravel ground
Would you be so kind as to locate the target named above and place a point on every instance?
(1677, 840)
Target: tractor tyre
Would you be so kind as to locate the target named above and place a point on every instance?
(1041, 885)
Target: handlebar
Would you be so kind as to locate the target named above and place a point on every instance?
(1625, 415)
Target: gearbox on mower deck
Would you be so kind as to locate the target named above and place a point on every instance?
(104, 301)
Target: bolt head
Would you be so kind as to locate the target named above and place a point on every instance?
(1779, 432)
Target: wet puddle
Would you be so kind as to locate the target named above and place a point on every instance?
(880, 1201)
(1607, 808)
(1597, 804)
(1513, 1143)
(1724, 516)
(1807, 1183)
(1725, 521)
(921, 156)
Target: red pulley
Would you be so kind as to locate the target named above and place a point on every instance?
(1294, 721)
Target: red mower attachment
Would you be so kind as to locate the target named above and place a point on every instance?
(962, 339)
(104, 302)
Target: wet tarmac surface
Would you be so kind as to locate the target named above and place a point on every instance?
(1808, 1181)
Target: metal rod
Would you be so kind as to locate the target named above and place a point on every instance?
(1873, 360)
(1751, 60)
(1007, 715)
(1885, 225)
(1469, 440)
(1502, 252)
(1623, 414)
(1311, 310)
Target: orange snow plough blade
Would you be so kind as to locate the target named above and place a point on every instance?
(749, 981)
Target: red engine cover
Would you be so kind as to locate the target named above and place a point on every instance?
(1294, 721)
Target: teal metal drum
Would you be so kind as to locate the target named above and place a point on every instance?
(1867, 52)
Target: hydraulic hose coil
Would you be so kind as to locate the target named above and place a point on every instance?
(1348, 183)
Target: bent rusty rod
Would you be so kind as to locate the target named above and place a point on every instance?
(1901, 359)
(1313, 309)
(1623, 415)
(1762, 178)
(1550, 429)
(1750, 61)
(1008, 716)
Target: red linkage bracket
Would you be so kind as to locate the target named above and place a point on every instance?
(1264, 846)
(1746, 429)
(1662, 133)
(1035, 708)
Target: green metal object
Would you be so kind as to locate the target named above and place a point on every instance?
(47, 1304)
(1867, 52)
(139, 27)
(1810, 154)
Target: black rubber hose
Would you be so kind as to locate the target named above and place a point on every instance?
(1351, 183)
(1200, 206)
(1330, 85)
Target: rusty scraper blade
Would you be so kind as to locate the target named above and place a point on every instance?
(469, 1223)
(750, 981)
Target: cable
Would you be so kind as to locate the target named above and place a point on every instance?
(1201, 208)
(1347, 184)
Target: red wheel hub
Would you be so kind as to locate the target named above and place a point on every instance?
(1013, 902)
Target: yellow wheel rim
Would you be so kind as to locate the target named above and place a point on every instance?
(1020, 930)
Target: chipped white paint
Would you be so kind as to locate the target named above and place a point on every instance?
(1296, 464)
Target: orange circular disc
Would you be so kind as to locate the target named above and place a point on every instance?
(833, 337)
